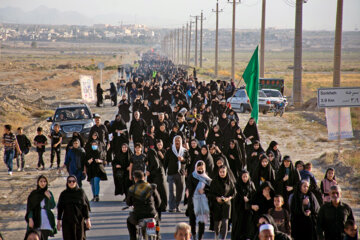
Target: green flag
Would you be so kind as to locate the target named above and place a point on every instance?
(251, 78)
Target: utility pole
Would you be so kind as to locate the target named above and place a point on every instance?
(201, 36)
(297, 92)
(178, 46)
(196, 39)
(182, 45)
(262, 41)
(234, 2)
(217, 11)
(174, 39)
(187, 44)
(337, 45)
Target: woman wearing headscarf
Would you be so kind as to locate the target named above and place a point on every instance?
(73, 211)
(268, 219)
(222, 190)
(273, 146)
(223, 122)
(286, 179)
(215, 136)
(155, 174)
(197, 186)
(75, 161)
(95, 159)
(120, 166)
(40, 203)
(234, 157)
(253, 154)
(119, 132)
(208, 160)
(194, 152)
(263, 172)
(149, 140)
(304, 209)
(113, 93)
(242, 217)
(263, 200)
(75, 135)
(208, 116)
(124, 108)
(240, 138)
(274, 163)
(251, 133)
(325, 185)
(229, 133)
(99, 95)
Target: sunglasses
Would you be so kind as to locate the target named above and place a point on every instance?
(71, 181)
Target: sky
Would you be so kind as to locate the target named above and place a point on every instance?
(317, 14)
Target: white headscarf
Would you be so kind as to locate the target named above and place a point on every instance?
(181, 151)
(204, 178)
(177, 153)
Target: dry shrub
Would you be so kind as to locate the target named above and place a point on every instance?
(42, 113)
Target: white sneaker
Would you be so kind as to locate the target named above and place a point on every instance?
(10, 173)
(19, 169)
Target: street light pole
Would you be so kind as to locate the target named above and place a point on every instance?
(337, 45)
(297, 92)
(217, 11)
(262, 43)
(234, 2)
(201, 36)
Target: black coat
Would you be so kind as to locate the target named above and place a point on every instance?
(121, 175)
(303, 227)
(221, 188)
(95, 169)
(157, 176)
(124, 110)
(137, 130)
(242, 220)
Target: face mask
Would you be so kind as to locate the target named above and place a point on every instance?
(94, 147)
(200, 172)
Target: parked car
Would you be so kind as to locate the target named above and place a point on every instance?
(73, 118)
(275, 96)
(241, 101)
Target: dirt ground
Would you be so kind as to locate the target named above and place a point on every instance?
(32, 87)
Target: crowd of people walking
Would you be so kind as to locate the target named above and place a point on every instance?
(190, 146)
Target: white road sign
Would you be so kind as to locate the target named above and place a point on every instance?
(339, 97)
(101, 65)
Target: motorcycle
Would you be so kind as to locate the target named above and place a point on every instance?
(147, 229)
(279, 108)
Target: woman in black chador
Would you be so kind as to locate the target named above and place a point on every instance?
(99, 95)
(73, 211)
(253, 154)
(251, 133)
(38, 212)
(286, 179)
(156, 174)
(234, 158)
(241, 217)
(113, 93)
(222, 191)
(264, 172)
(304, 209)
(120, 166)
(205, 156)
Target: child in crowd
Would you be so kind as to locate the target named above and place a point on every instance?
(351, 231)
(40, 142)
(56, 139)
(307, 175)
(24, 145)
(328, 181)
(280, 215)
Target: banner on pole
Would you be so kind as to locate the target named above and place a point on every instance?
(87, 88)
(333, 121)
